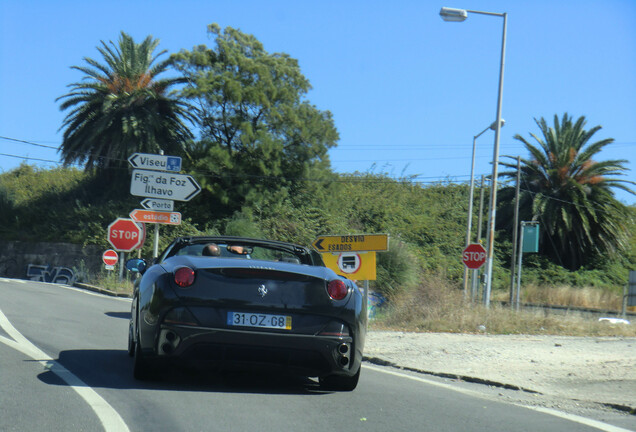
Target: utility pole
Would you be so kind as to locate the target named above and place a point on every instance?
(515, 231)
(475, 287)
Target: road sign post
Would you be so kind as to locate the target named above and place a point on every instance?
(156, 178)
(474, 256)
(110, 258)
(352, 243)
(149, 216)
(163, 185)
(125, 235)
(158, 204)
(353, 265)
(155, 162)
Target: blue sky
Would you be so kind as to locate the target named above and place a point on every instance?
(407, 90)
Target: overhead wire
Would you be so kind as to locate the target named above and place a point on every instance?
(348, 177)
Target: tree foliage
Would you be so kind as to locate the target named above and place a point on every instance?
(570, 193)
(259, 135)
(121, 107)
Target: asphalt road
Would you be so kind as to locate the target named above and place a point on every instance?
(64, 366)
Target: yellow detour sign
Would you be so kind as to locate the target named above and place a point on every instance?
(352, 243)
(353, 265)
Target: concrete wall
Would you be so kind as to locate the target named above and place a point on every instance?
(48, 262)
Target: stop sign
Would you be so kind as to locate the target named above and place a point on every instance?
(125, 235)
(474, 256)
(110, 257)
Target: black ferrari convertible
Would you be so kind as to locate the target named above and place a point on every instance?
(240, 302)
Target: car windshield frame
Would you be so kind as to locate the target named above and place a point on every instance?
(256, 249)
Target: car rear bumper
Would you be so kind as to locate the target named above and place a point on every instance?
(306, 354)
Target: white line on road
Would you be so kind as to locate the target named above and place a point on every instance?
(571, 417)
(110, 419)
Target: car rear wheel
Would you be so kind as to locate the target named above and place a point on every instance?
(340, 382)
(143, 369)
(140, 367)
(131, 341)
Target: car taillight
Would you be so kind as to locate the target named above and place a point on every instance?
(184, 277)
(337, 289)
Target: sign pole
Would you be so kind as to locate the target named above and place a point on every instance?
(518, 295)
(366, 294)
(515, 224)
(155, 252)
(121, 266)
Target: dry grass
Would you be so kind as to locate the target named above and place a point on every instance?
(567, 296)
(436, 307)
(110, 281)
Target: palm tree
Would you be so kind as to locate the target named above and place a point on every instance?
(120, 107)
(570, 194)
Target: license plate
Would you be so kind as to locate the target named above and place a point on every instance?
(244, 319)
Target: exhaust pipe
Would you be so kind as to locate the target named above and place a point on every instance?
(343, 348)
(168, 342)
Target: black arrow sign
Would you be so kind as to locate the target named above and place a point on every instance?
(197, 189)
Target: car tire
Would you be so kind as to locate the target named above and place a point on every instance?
(340, 382)
(131, 341)
(143, 369)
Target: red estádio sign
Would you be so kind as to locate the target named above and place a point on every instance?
(110, 257)
(125, 235)
(474, 256)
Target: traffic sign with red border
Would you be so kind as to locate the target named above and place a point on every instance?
(474, 256)
(125, 235)
(110, 257)
(353, 265)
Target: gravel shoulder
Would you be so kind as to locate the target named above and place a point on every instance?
(600, 370)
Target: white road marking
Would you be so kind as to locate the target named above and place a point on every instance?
(110, 419)
(69, 287)
(578, 419)
(571, 417)
(93, 293)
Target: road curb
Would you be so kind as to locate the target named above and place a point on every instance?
(100, 290)
(381, 362)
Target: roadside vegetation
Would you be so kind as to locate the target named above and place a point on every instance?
(240, 119)
(436, 307)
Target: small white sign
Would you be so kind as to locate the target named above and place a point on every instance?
(349, 262)
(158, 204)
(155, 162)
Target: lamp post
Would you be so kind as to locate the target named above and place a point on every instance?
(470, 196)
(458, 15)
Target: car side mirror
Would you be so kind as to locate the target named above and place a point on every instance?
(136, 265)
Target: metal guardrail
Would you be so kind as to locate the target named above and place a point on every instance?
(581, 310)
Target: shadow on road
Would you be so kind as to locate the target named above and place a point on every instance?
(113, 369)
(125, 315)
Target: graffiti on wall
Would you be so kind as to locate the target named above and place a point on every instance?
(8, 267)
(44, 273)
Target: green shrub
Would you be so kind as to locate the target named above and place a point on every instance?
(396, 270)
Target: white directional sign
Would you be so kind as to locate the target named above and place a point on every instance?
(163, 185)
(155, 162)
(158, 204)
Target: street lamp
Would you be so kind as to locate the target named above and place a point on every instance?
(493, 126)
(458, 15)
